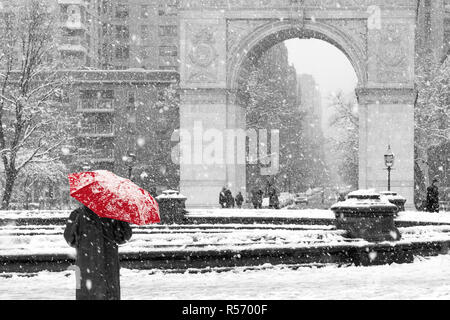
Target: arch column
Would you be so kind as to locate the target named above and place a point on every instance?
(208, 112)
(386, 105)
(386, 117)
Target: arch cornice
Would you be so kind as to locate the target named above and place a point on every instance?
(287, 29)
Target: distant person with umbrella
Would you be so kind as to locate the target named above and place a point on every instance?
(433, 197)
(97, 228)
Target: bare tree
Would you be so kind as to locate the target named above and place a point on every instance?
(345, 143)
(432, 117)
(32, 123)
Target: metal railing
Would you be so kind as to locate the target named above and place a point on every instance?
(98, 155)
(93, 104)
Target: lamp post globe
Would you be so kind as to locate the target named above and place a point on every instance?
(86, 167)
(130, 159)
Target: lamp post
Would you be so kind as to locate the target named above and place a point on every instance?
(86, 167)
(130, 159)
(389, 163)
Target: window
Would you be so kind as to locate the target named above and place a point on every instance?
(122, 32)
(96, 99)
(144, 52)
(145, 13)
(172, 68)
(168, 9)
(145, 32)
(96, 94)
(131, 98)
(165, 51)
(170, 30)
(106, 6)
(122, 11)
(122, 52)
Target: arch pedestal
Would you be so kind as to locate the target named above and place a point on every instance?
(386, 117)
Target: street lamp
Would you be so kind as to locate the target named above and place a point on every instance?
(389, 163)
(86, 167)
(130, 159)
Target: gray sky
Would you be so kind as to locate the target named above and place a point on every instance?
(332, 71)
(329, 65)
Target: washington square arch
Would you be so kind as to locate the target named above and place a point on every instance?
(220, 39)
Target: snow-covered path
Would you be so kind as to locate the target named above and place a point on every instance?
(424, 279)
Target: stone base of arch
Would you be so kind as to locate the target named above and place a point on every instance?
(387, 118)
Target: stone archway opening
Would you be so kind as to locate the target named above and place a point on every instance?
(250, 50)
(302, 162)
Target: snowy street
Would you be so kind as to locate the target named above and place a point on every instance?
(423, 279)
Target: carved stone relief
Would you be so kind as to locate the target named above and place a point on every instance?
(204, 42)
(392, 56)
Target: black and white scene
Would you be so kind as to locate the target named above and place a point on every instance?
(224, 150)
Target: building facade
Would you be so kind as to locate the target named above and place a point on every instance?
(311, 105)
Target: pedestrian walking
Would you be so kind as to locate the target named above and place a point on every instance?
(223, 197)
(273, 197)
(229, 199)
(257, 198)
(96, 241)
(433, 197)
(239, 200)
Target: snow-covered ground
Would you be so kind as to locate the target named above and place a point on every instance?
(47, 239)
(16, 240)
(26, 240)
(442, 217)
(261, 213)
(424, 279)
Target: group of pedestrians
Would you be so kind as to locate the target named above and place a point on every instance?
(226, 199)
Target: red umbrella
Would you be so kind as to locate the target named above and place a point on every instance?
(111, 196)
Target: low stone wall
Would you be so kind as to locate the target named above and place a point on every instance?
(370, 254)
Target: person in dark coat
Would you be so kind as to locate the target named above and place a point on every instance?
(239, 200)
(223, 197)
(229, 198)
(260, 198)
(257, 198)
(433, 197)
(96, 241)
(273, 197)
(341, 196)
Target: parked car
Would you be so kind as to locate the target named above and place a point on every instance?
(301, 198)
(285, 199)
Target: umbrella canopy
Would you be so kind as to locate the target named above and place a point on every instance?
(111, 196)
